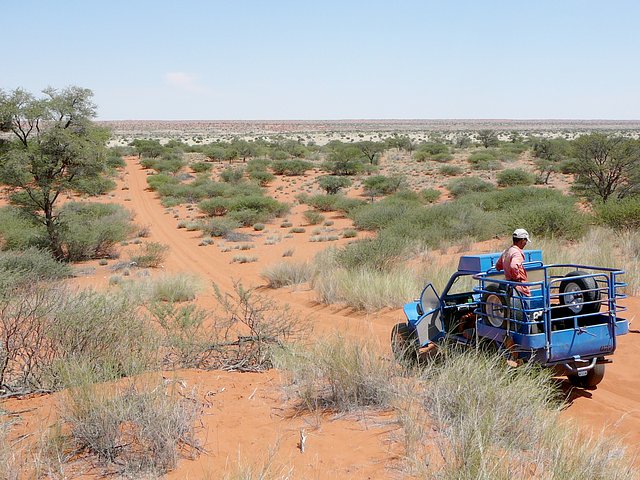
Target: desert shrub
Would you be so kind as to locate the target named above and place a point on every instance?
(382, 252)
(313, 218)
(49, 328)
(201, 167)
(258, 165)
(339, 376)
(258, 227)
(485, 160)
(115, 160)
(216, 206)
(324, 203)
(431, 150)
(442, 157)
(247, 217)
(332, 184)
(150, 255)
(450, 170)
(91, 230)
(620, 214)
(31, 265)
(257, 203)
(350, 233)
(263, 178)
(232, 175)
(445, 223)
(382, 185)
(160, 179)
(286, 273)
(551, 220)
(466, 185)
(378, 215)
(430, 195)
(18, 231)
(167, 163)
(297, 230)
(175, 288)
(515, 176)
(292, 167)
(135, 430)
(94, 186)
(347, 205)
(346, 166)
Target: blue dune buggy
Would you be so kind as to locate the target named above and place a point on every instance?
(570, 320)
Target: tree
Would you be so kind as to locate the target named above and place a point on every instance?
(332, 184)
(488, 138)
(371, 150)
(606, 166)
(56, 146)
(549, 153)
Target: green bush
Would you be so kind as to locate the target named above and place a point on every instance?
(258, 165)
(161, 179)
(432, 151)
(382, 185)
(324, 203)
(347, 205)
(94, 186)
(248, 217)
(380, 253)
(219, 227)
(215, 207)
(313, 218)
(450, 170)
(466, 185)
(430, 195)
(332, 184)
(515, 176)
(91, 230)
(620, 214)
(232, 175)
(263, 178)
(175, 288)
(485, 160)
(201, 167)
(150, 255)
(19, 231)
(29, 266)
(378, 215)
(293, 167)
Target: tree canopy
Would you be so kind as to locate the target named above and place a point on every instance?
(55, 146)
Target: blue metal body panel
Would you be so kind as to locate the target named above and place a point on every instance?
(487, 261)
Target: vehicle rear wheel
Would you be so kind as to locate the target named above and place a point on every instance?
(402, 344)
(579, 295)
(591, 379)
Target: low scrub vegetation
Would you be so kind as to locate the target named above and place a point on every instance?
(150, 255)
(287, 273)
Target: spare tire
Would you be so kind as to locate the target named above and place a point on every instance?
(494, 307)
(580, 296)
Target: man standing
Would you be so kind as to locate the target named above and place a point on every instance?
(512, 260)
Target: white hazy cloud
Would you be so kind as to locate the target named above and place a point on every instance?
(185, 82)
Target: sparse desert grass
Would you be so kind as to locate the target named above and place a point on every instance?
(338, 375)
(30, 265)
(288, 252)
(491, 421)
(150, 255)
(313, 218)
(287, 273)
(349, 233)
(175, 288)
(134, 430)
(243, 259)
(297, 230)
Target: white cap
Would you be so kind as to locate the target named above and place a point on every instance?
(521, 233)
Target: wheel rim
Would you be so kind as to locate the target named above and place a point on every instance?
(494, 310)
(573, 297)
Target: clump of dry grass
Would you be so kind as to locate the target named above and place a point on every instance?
(133, 429)
(287, 273)
(338, 375)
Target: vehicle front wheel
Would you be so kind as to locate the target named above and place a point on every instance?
(591, 379)
(403, 345)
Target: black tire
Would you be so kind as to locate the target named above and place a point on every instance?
(575, 302)
(403, 345)
(591, 379)
(494, 307)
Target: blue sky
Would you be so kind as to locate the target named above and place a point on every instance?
(244, 59)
